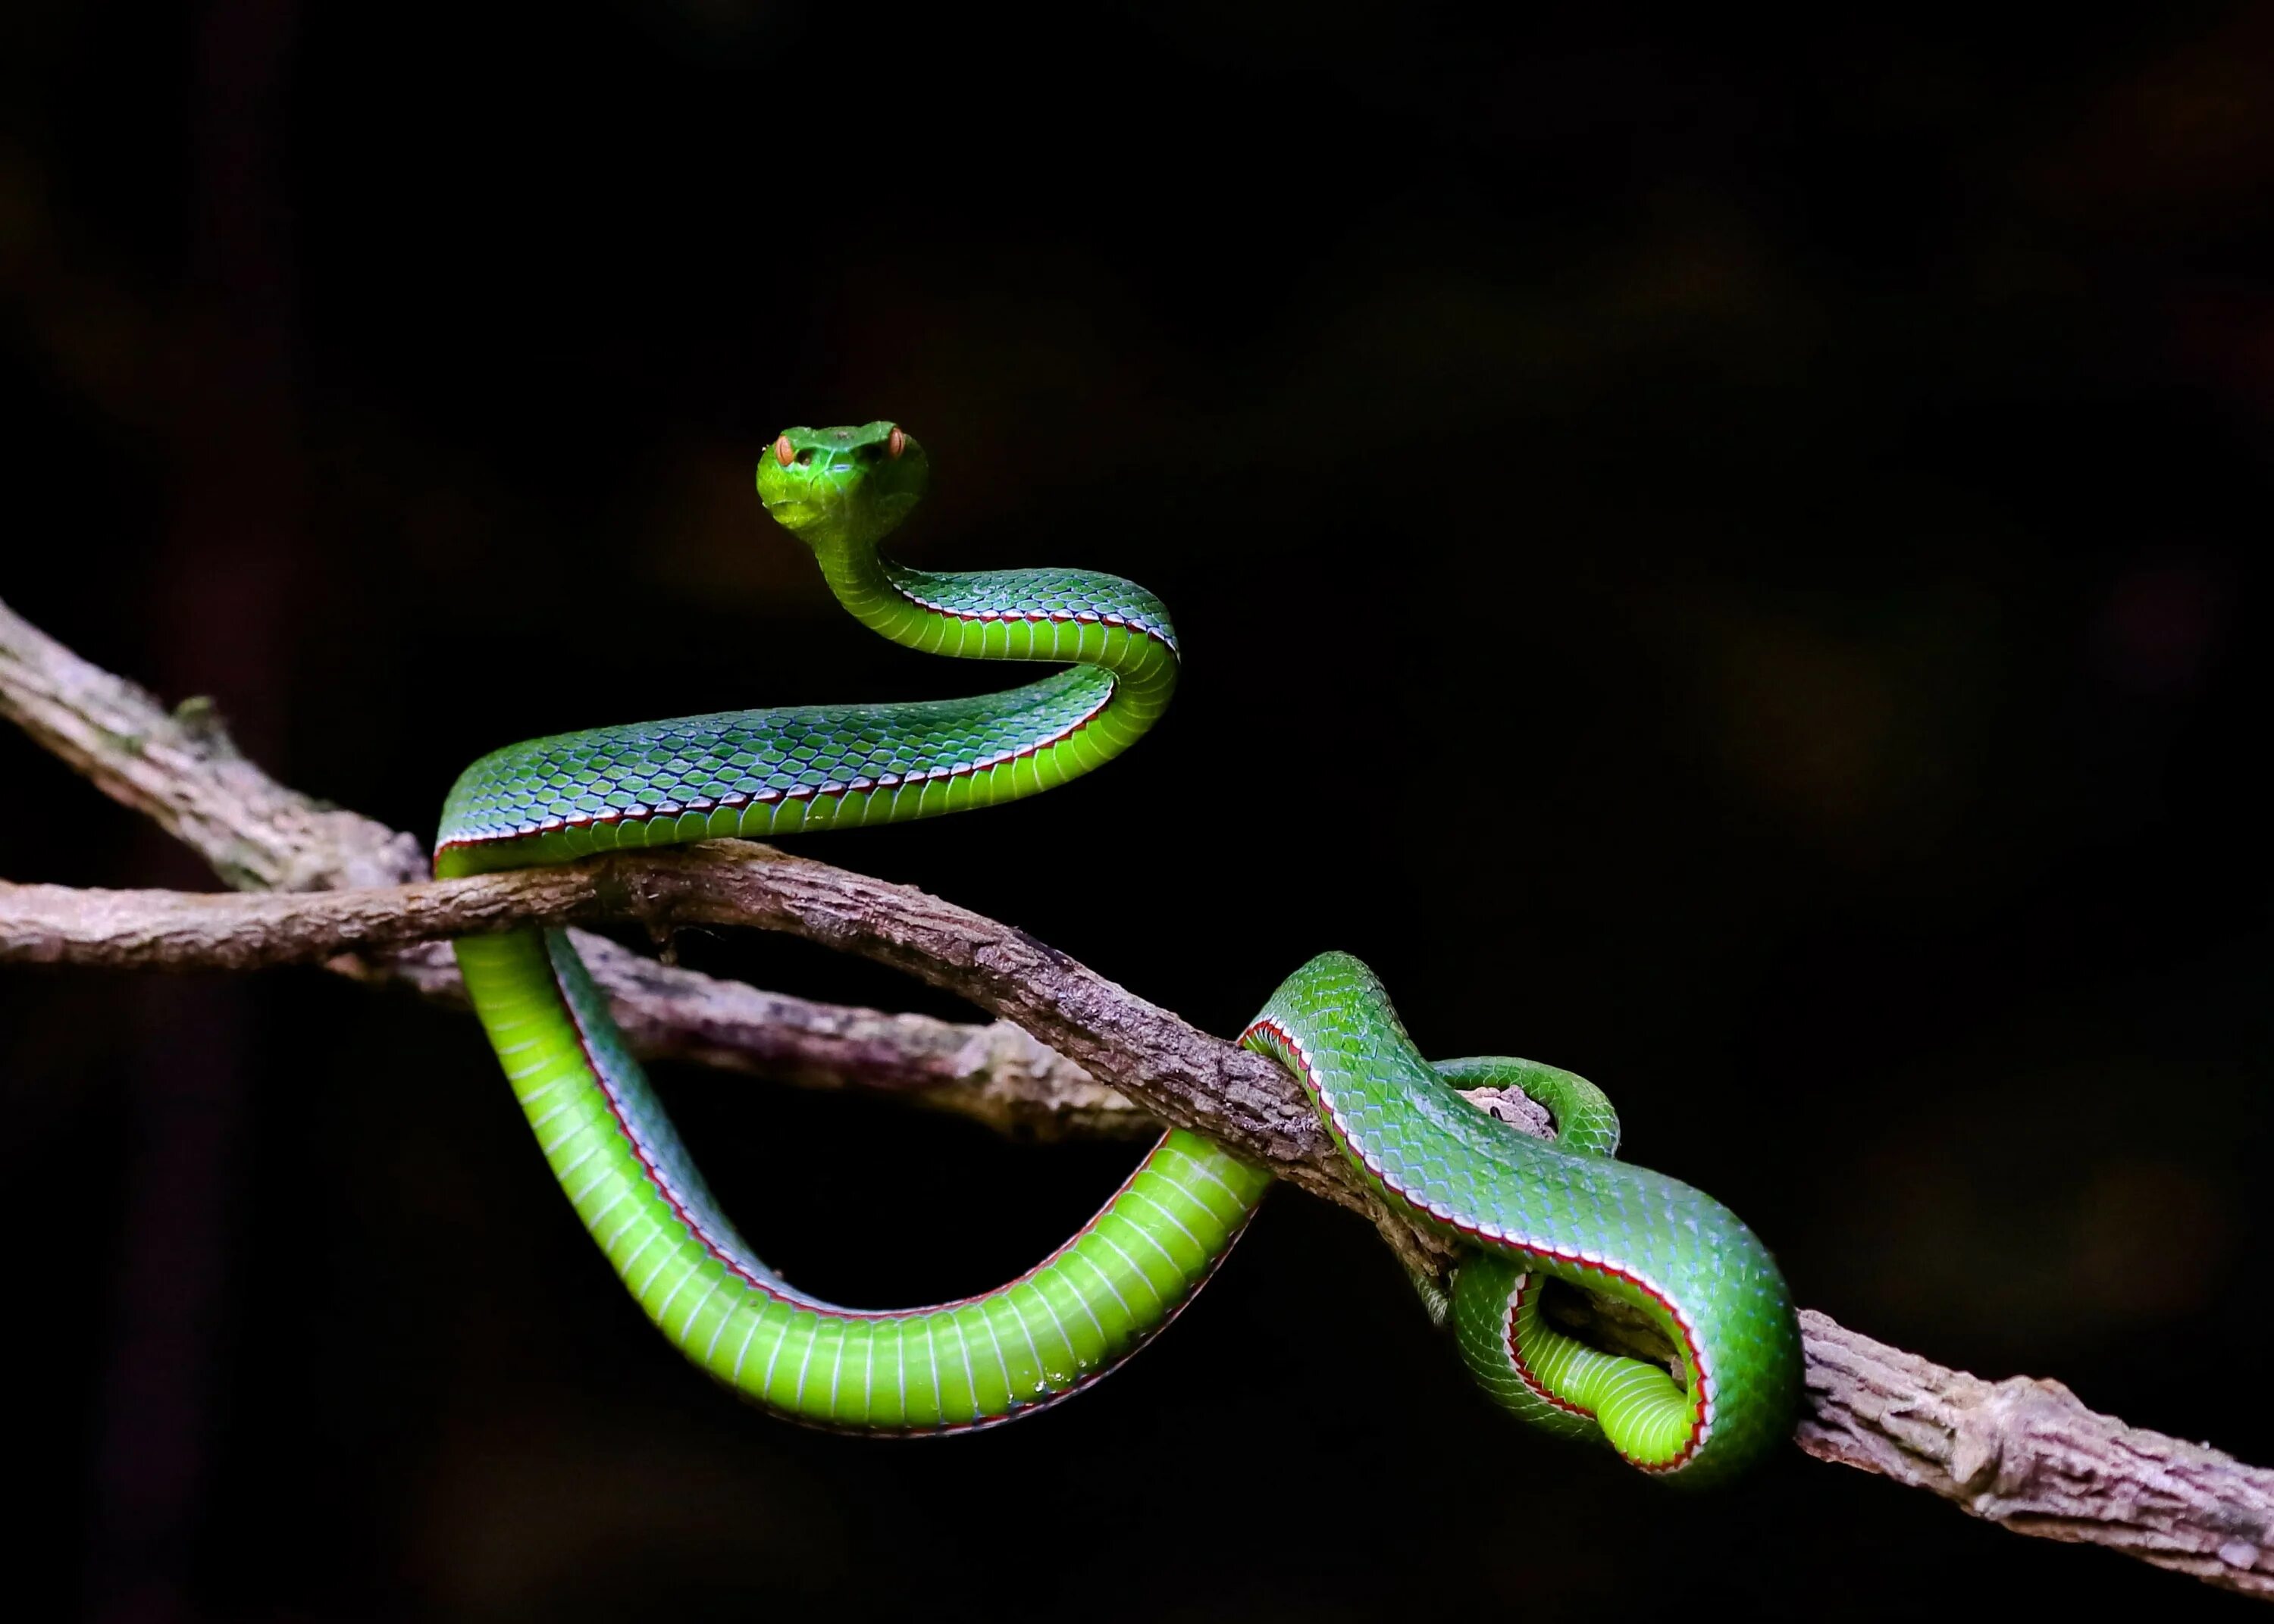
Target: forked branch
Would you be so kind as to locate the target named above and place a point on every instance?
(1070, 1052)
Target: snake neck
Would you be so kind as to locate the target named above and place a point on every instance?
(1078, 616)
(861, 579)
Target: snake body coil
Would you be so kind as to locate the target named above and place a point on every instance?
(1520, 1209)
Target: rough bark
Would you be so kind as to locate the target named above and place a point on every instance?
(2025, 1454)
(180, 769)
(2022, 1453)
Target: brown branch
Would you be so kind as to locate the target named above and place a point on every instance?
(990, 1072)
(1180, 1074)
(181, 770)
(2022, 1453)
(2025, 1454)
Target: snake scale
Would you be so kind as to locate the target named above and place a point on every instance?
(1521, 1210)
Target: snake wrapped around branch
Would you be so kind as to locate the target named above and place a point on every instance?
(1521, 1211)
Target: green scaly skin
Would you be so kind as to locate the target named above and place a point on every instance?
(1518, 1205)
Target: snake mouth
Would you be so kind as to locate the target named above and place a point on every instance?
(794, 514)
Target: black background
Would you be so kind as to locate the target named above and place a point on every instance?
(1720, 558)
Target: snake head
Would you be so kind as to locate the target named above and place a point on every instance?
(829, 486)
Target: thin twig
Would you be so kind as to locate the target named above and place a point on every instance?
(2024, 1453)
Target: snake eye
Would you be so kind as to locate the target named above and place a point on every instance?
(896, 442)
(785, 453)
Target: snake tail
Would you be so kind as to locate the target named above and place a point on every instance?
(1521, 1208)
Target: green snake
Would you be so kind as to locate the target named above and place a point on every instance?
(1520, 1210)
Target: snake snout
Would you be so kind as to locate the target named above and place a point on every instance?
(841, 484)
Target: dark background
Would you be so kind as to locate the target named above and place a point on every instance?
(1722, 560)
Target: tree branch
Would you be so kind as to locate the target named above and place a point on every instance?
(2025, 1454)
(2022, 1453)
(181, 770)
(1182, 1075)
